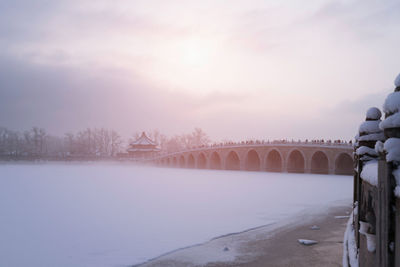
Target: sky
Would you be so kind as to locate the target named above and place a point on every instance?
(237, 69)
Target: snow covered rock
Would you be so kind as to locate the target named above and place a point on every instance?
(369, 172)
(397, 81)
(392, 148)
(315, 227)
(374, 114)
(307, 242)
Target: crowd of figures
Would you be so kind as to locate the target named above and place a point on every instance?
(266, 142)
(284, 141)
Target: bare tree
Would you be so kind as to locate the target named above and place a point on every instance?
(199, 137)
(116, 143)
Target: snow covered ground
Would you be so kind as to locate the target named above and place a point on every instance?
(118, 214)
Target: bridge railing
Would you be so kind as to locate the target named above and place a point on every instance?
(328, 143)
(376, 216)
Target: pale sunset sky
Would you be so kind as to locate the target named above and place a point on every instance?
(236, 69)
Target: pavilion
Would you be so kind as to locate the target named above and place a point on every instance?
(143, 147)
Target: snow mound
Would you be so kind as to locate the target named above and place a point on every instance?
(392, 147)
(371, 238)
(392, 103)
(356, 144)
(397, 81)
(392, 121)
(350, 251)
(315, 227)
(373, 113)
(372, 137)
(369, 172)
(379, 147)
(396, 174)
(369, 127)
(362, 150)
(307, 242)
(342, 217)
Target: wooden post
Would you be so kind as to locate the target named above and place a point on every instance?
(369, 134)
(388, 216)
(382, 215)
(397, 236)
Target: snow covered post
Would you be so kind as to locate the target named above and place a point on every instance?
(369, 133)
(365, 184)
(388, 182)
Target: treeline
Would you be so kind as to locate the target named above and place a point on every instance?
(37, 143)
(197, 138)
(90, 143)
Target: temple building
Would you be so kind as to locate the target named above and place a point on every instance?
(143, 147)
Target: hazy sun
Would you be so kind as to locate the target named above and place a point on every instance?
(194, 53)
(197, 65)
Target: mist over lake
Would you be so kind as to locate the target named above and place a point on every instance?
(97, 214)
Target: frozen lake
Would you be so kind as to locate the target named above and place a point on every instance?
(119, 215)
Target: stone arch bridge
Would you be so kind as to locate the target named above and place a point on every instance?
(328, 158)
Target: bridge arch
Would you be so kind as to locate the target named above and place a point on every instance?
(232, 161)
(344, 164)
(274, 161)
(319, 163)
(190, 161)
(252, 161)
(174, 162)
(296, 161)
(201, 161)
(215, 161)
(182, 162)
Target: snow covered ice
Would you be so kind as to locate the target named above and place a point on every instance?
(307, 242)
(120, 215)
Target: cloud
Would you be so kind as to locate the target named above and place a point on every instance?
(65, 99)
(366, 20)
(288, 69)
